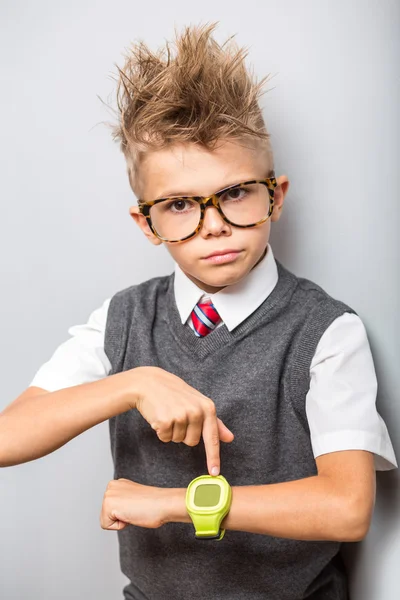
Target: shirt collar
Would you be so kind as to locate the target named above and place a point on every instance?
(235, 302)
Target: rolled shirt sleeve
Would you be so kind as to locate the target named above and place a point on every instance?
(80, 359)
(341, 402)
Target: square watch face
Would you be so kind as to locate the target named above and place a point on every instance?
(207, 495)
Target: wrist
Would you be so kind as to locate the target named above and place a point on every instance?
(138, 380)
(174, 505)
(129, 384)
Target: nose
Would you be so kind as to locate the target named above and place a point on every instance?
(213, 222)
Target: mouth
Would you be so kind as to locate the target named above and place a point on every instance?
(222, 256)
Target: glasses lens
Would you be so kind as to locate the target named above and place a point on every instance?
(247, 204)
(175, 218)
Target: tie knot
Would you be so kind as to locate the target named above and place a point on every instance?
(205, 317)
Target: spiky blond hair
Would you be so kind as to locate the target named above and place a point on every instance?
(203, 94)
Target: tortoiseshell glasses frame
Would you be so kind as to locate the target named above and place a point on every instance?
(213, 200)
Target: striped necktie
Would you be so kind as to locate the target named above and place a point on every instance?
(204, 318)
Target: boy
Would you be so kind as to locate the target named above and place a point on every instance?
(231, 347)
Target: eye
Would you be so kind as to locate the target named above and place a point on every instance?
(234, 194)
(180, 205)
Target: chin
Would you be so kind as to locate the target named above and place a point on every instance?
(223, 279)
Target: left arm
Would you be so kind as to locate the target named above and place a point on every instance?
(336, 504)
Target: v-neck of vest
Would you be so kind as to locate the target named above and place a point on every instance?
(201, 347)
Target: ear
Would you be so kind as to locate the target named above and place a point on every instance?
(141, 221)
(279, 196)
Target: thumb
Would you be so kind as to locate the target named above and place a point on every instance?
(118, 525)
(225, 434)
(110, 521)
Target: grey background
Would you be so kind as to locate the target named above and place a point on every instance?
(67, 241)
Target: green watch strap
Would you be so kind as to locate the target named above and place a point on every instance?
(208, 526)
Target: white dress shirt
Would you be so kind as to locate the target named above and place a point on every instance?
(341, 401)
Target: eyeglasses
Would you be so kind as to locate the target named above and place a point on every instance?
(245, 204)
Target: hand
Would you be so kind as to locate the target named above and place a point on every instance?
(180, 413)
(128, 503)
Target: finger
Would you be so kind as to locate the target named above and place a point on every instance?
(211, 443)
(109, 521)
(164, 432)
(179, 430)
(193, 432)
(114, 525)
(225, 434)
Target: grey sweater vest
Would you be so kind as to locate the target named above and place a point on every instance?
(258, 376)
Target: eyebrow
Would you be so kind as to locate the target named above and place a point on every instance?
(170, 193)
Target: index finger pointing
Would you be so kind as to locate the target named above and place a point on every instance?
(211, 443)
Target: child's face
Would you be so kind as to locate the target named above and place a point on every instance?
(189, 170)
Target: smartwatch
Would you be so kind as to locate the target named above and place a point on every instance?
(208, 500)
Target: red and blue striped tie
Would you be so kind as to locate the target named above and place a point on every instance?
(204, 318)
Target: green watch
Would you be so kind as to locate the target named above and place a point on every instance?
(208, 500)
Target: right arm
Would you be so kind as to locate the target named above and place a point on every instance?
(39, 422)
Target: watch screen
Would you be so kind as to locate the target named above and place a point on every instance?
(207, 495)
